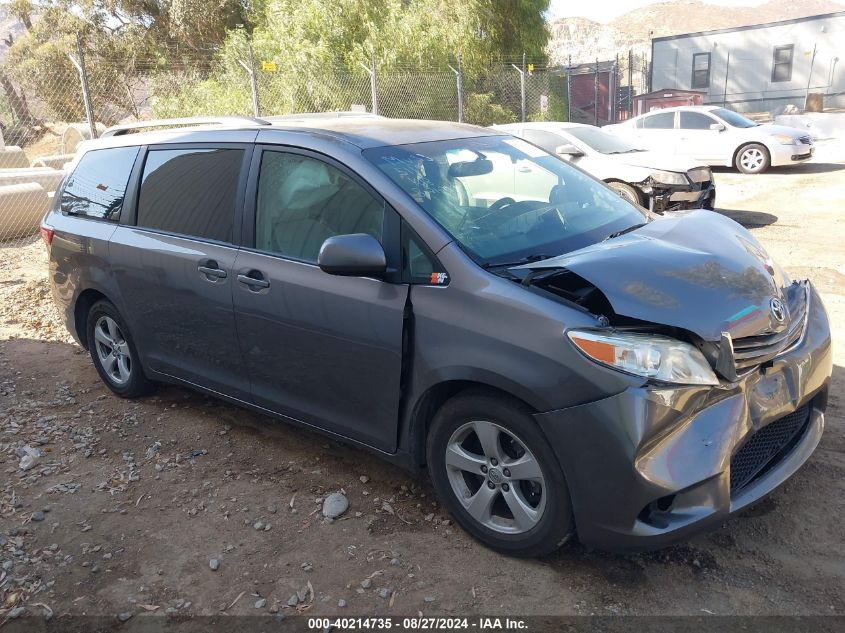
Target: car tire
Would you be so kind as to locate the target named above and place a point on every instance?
(627, 192)
(114, 353)
(753, 158)
(514, 467)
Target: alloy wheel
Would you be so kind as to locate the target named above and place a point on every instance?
(752, 159)
(496, 478)
(112, 350)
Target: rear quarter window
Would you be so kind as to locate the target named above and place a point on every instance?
(97, 186)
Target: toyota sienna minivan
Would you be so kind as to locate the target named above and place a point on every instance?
(457, 300)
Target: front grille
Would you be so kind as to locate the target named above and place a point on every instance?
(752, 351)
(766, 445)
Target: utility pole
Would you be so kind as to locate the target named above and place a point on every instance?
(83, 80)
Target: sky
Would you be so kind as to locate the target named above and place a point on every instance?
(607, 10)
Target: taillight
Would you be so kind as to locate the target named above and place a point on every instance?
(47, 233)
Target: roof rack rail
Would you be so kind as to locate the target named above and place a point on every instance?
(138, 126)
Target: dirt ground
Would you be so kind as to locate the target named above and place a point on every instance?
(131, 500)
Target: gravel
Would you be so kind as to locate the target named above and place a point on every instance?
(261, 603)
(214, 564)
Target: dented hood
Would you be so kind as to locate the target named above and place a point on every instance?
(658, 160)
(699, 271)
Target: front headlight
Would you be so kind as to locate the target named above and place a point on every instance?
(648, 355)
(668, 177)
(785, 139)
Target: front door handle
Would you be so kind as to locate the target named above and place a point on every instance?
(211, 270)
(254, 279)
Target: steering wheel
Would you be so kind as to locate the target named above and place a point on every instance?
(501, 203)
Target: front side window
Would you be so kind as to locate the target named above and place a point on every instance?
(700, 70)
(503, 199)
(733, 119)
(662, 121)
(601, 141)
(190, 192)
(782, 63)
(303, 201)
(695, 121)
(98, 184)
(549, 141)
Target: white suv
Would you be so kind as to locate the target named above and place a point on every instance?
(718, 136)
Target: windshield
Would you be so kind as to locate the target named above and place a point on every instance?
(732, 118)
(601, 141)
(504, 200)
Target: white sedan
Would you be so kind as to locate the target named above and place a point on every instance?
(656, 180)
(717, 136)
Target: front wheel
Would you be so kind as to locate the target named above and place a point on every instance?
(627, 192)
(753, 159)
(497, 475)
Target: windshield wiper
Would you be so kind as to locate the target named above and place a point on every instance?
(623, 231)
(525, 260)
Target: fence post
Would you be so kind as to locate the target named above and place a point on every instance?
(460, 88)
(596, 94)
(83, 80)
(613, 97)
(630, 82)
(521, 72)
(373, 82)
(569, 89)
(253, 79)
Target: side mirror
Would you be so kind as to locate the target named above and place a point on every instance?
(568, 149)
(355, 255)
(718, 127)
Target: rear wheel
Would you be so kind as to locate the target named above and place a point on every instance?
(627, 192)
(498, 476)
(753, 159)
(113, 352)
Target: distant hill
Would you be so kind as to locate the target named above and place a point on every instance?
(585, 40)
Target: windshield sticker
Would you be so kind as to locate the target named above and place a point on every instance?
(525, 147)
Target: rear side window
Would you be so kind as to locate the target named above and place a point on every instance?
(190, 192)
(98, 184)
(662, 121)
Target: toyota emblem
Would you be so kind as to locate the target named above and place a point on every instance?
(778, 310)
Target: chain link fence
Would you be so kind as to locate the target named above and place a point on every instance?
(46, 111)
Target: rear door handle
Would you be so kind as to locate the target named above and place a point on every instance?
(210, 269)
(254, 279)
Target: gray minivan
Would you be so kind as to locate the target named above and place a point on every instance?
(454, 299)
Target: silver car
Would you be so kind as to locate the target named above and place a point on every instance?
(718, 137)
(656, 180)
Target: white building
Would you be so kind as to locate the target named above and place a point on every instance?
(757, 68)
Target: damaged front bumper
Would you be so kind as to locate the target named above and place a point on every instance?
(655, 464)
(662, 198)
